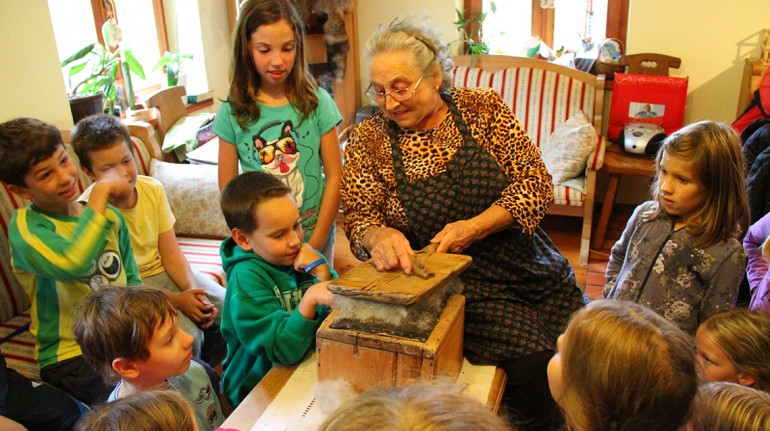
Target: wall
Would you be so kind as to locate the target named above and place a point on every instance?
(372, 13)
(712, 37)
(204, 32)
(31, 82)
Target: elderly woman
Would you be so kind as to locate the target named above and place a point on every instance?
(454, 168)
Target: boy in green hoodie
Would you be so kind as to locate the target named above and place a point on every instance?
(276, 295)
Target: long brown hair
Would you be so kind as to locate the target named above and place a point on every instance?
(626, 368)
(714, 150)
(244, 78)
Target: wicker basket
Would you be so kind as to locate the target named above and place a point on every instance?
(609, 67)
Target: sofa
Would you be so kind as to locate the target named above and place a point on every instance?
(544, 96)
(193, 194)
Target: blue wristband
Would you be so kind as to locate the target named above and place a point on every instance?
(312, 265)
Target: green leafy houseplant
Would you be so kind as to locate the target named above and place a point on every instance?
(101, 65)
(472, 32)
(171, 62)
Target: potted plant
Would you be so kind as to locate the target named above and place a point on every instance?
(472, 32)
(171, 62)
(101, 64)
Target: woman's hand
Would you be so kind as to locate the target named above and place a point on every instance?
(456, 237)
(389, 249)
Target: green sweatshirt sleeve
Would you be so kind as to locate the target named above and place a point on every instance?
(262, 325)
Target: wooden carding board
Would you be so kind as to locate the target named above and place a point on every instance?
(395, 287)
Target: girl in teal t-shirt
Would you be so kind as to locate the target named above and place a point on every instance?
(278, 121)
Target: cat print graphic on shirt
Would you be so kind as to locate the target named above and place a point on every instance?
(279, 158)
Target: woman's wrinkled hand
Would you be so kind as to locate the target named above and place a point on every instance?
(456, 237)
(389, 249)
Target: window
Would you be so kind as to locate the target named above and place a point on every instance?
(563, 24)
(77, 23)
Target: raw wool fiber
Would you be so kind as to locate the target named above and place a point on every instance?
(414, 321)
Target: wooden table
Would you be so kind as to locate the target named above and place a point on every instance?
(254, 405)
(617, 163)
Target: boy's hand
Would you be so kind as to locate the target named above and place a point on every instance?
(315, 295)
(306, 255)
(118, 185)
(318, 267)
(205, 301)
(188, 302)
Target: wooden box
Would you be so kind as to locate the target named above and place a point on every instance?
(369, 360)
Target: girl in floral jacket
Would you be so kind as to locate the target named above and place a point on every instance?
(680, 253)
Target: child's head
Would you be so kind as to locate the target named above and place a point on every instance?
(734, 346)
(620, 365)
(700, 179)
(422, 406)
(724, 406)
(103, 144)
(145, 411)
(132, 333)
(263, 216)
(269, 50)
(36, 165)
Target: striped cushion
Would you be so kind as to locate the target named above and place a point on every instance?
(19, 350)
(541, 100)
(203, 255)
(141, 156)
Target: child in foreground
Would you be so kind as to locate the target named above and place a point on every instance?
(680, 253)
(277, 120)
(621, 366)
(275, 282)
(104, 148)
(734, 346)
(157, 410)
(418, 407)
(61, 249)
(133, 336)
(724, 406)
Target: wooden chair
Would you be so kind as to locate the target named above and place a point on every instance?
(649, 63)
(168, 102)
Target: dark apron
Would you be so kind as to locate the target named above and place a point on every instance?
(520, 291)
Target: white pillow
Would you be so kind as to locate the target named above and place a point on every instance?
(193, 193)
(566, 151)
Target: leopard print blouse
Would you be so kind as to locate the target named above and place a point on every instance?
(369, 191)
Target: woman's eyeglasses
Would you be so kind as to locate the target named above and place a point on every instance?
(401, 95)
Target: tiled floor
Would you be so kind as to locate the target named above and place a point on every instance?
(565, 233)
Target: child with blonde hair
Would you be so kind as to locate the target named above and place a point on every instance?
(724, 406)
(734, 346)
(680, 253)
(146, 411)
(621, 366)
(757, 245)
(277, 120)
(422, 406)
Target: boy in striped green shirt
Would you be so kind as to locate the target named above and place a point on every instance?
(61, 249)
